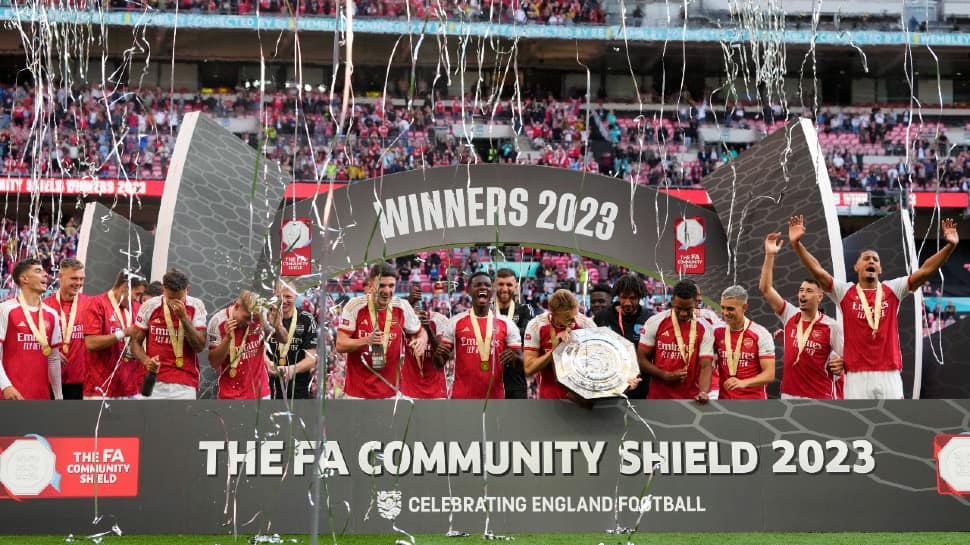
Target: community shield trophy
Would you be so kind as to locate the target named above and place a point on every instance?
(596, 363)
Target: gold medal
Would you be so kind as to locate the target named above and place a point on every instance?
(801, 337)
(282, 362)
(484, 344)
(734, 358)
(232, 373)
(872, 314)
(67, 322)
(685, 351)
(290, 333)
(175, 336)
(39, 331)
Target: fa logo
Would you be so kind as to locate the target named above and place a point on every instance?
(389, 503)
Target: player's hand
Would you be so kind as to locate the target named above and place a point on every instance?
(773, 243)
(633, 383)
(443, 350)
(836, 366)
(12, 393)
(231, 324)
(418, 346)
(950, 231)
(675, 376)
(177, 307)
(63, 356)
(796, 228)
(376, 337)
(152, 364)
(507, 357)
(733, 383)
(702, 397)
(424, 317)
(564, 337)
(274, 316)
(130, 331)
(271, 369)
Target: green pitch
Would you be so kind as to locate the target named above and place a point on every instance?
(929, 538)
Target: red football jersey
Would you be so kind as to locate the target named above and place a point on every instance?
(73, 369)
(151, 320)
(810, 376)
(471, 381)
(362, 380)
(106, 375)
(863, 352)
(757, 345)
(538, 338)
(23, 360)
(427, 382)
(251, 380)
(658, 334)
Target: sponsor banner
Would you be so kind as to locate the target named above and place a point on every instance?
(689, 245)
(304, 190)
(928, 199)
(722, 466)
(82, 186)
(295, 251)
(34, 466)
(376, 25)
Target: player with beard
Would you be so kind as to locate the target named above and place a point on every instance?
(70, 304)
(812, 368)
(371, 332)
(677, 349)
(506, 288)
(873, 360)
(627, 319)
(484, 342)
(30, 367)
(425, 379)
(745, 350)
(170, 333)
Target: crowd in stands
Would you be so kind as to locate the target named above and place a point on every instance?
(95, 134)
(552, 12)
(19, 242)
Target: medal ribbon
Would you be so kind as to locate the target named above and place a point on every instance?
(872, 315)
(734, 357)
(290, 332)
(510, 313)
(120, 315)
(67, 324)
(235, 350)
(484, 345)
(39, 333)
(388, 318)
(685, 351)
(801, 337)
(176, 337)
